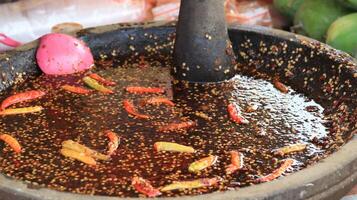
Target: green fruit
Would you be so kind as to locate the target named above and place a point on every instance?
(349, 3)
(342, 34)
(315, 16)
(287, 7)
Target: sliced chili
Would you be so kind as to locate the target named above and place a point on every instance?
(129, 107)
(281, 87)
(177, 126)
(203, 116)
(202, 164)
(236, 162)
(142, 90)
(102, 80)
(160, 100)
(199, 183)
(21, 97)
(12, 142)
(114, 142)
(15, 111)
(290, 149)
(75, 146)
(236, 115)
(74, 89)
(143, 186)
(278, 172)
(173, 147)
(97, 86)
(78, 156)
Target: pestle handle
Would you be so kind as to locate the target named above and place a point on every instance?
(203, 51)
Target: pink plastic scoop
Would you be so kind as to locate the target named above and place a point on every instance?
(8, 41)
(60, 54)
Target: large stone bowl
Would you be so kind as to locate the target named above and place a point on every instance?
(320, 72)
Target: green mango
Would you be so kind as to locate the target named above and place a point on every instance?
(349, 3)
(342, 34)
(314, 17)
(287, 7)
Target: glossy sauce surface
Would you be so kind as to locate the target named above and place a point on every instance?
(279, 120)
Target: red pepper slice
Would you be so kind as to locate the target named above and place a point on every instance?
(74, 89)
(20, 97)
(129, 107)
(236, 162)
(143, 186)
(160, 100)
(114, 142)
(278, 172)
(177, 126)
(102, 80)
(281, 87)
(11, 141)
(142, 90)
(235, 114)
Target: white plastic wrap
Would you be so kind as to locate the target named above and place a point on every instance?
(27, 20)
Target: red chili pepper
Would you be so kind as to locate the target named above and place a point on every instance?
(235, 114)
(12, 142)
(236, 162)
(129, 107)
(102, 80)
(142, 90)
(177, 126)
(278, 172)
(281, 87)
(160, 100)
(74, 89)
(114, 142)
(20, 97)
(143, 186)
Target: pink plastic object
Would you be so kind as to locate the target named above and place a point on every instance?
(8, 41)
(60, 54)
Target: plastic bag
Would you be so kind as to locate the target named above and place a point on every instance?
(248, 12)
(27, 20)
(167, 10)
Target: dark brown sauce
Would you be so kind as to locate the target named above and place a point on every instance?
(280, 120)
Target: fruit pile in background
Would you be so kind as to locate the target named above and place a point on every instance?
(331, 21)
